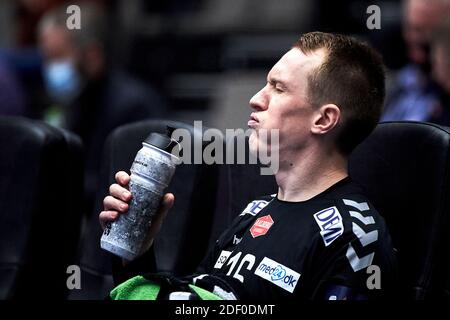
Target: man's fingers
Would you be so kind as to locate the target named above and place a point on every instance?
(122, 178)
(107, 216)
(167, 202)
(111, 203)
(119, 192)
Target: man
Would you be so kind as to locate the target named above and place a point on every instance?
(12, 99)
(413, 95)
(440, 61)
(89, 96)
(318, 235)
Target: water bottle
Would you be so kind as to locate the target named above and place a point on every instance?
(151, 172)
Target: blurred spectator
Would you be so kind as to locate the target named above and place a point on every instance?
(90, 96)
(27, 16)
(440, 60)
(11, 94)
(413, 96)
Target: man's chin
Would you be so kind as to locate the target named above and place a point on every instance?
(253, 143)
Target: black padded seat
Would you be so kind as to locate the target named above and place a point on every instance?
(40, 207)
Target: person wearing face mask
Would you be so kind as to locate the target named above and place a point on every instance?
(413, 95)
(62, 80)
(89, 96)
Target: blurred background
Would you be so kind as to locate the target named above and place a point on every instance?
(198, 60)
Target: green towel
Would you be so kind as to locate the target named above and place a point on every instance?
(204, 294)
(137, 288)
(140, 288)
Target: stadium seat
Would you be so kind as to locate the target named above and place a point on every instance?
(404, 167)
(40, 208)
(183, 239)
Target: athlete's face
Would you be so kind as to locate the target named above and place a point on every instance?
(283, 103)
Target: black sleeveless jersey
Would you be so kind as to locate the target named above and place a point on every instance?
(278, 250)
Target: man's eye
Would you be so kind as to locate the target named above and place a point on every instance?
(279, 90)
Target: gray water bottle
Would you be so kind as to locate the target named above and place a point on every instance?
(151, 172)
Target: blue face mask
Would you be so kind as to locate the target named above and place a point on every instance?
(62, 80)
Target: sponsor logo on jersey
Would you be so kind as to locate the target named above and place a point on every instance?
(236, 240)
(223, 257)
(254, 207)
(330, 224)
(261, 226)
(278, 274)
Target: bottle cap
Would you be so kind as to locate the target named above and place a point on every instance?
(162, 141)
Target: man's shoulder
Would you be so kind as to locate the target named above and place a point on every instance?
(256, 205)
(350, 216)
(358, 214)
(353, 233)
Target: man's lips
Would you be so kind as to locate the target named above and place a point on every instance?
(253, 122)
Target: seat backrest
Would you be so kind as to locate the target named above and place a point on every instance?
(183, 239)
(40, 212)
(404, 168)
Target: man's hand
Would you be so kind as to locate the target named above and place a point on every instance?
(117, 203)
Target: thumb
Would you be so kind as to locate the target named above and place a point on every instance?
(166, 203)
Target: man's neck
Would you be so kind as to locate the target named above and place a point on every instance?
(309, 174)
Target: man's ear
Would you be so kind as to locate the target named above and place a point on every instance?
(325, 118)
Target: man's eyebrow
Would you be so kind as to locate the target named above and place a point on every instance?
(275, 80)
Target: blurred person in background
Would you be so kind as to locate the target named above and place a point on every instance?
(12, 100)
(440, 61)
(414, 95)
(90, 97)
(28, 13)
(20, 63)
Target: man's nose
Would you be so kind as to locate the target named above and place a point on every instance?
(259, 101)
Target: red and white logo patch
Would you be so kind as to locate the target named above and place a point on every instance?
(261, 226)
